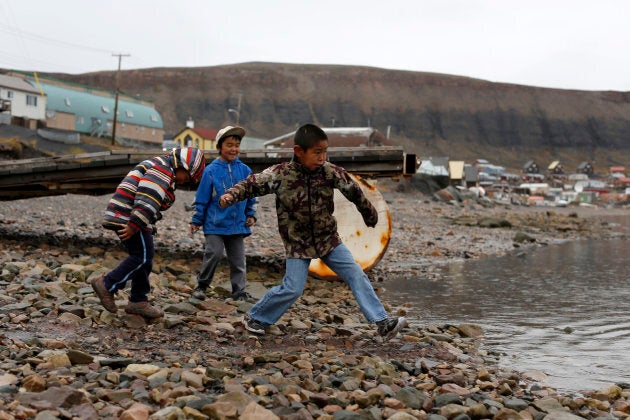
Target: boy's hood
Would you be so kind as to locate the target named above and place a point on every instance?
(224, 163)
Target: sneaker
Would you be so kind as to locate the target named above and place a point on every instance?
(145, 309)
(104, 295)
(199, 293)
(252, 325)
(389, 327)
(244, 296)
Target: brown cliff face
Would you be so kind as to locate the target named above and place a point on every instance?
(429, 114)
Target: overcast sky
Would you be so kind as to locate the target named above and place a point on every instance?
(569, 44)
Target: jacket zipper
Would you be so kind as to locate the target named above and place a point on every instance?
(225, 188)
(310, 212)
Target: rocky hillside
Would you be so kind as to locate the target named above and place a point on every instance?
(429, 114)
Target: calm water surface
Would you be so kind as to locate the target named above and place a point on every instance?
(562, 309)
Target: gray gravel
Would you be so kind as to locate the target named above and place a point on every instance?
(424, 233)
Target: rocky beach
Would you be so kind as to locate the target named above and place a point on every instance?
(62, 356)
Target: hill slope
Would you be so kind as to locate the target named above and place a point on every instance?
(429, 114)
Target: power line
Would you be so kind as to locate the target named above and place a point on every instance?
(12, 58)
(12, 30)
(23, 37)
(12, 19)
(25, 60)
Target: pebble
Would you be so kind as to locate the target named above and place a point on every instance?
(63, 356)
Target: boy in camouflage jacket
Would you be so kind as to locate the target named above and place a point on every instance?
(304, 189)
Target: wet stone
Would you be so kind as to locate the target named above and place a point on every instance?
(445, 399)
(70, 358)
(116, 363)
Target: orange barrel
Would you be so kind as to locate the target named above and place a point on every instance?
(368, 245)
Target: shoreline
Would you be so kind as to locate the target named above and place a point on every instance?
(320, 359)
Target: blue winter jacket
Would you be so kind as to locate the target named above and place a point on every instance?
(217, 178)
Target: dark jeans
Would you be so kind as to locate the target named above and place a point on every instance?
(136, 267)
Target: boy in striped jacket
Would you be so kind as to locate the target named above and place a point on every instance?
(135, 207)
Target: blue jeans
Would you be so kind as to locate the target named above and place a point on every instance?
(280, 298)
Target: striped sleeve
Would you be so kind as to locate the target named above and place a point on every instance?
(150, 195)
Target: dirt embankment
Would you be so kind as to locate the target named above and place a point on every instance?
(429, 114)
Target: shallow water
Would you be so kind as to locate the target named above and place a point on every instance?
(562, 309)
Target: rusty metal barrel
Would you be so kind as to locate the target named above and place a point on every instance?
(367, 245)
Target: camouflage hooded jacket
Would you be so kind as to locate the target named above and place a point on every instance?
(304, 204)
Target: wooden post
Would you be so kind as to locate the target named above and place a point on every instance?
(116, 100)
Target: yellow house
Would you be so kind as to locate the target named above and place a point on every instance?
(456, 171)
(202, 138)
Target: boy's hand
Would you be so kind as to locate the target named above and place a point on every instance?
(372, 220)
(226, 200)
(250, 221)
(125, 233)
(193, 229)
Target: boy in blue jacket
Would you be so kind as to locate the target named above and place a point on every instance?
(224, 228)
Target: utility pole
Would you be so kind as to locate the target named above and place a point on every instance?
(120, 56)
(238, 108)
(237, 111)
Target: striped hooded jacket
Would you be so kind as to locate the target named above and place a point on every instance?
(149, 188)
(305, 204)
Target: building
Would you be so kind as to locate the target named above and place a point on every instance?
(555, 168)
(434, 166)
(531, 167)
(202, 138)
(585, 168)
(338, 137)
(21, 103)
(90, 111)
(618, 177)
(617, 171)
(471, 176)
(456, 172)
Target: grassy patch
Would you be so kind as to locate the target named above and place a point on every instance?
(11, 148)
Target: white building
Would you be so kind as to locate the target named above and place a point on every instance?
(21, 103)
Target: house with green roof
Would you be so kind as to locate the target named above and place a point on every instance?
(90, 111)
